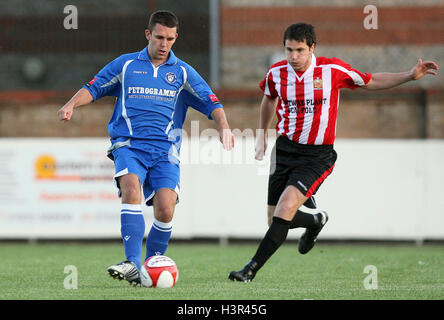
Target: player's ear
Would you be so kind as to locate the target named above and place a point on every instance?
(312, 47)
(148, 34)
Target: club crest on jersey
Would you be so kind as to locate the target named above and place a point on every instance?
(317, 83)
(170, 77)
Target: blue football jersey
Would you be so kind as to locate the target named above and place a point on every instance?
(150, 101)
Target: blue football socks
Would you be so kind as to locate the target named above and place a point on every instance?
(158, 238)
(133, 231)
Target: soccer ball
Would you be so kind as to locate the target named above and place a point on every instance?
(159, 272)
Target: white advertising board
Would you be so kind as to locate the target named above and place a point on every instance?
(379, 189)
(57, 188)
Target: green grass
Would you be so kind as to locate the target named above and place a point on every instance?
(327, 272)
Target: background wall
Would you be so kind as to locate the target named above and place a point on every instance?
(252, 33)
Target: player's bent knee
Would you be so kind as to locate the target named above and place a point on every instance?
(164, 204)
(130, 194)
(288, 205)
(164, 213)
(129, 186)
(286, 209)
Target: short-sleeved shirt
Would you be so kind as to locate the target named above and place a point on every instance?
(308, 101)
(150, 101)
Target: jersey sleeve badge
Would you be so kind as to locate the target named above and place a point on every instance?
(214, 98)
(89, 84)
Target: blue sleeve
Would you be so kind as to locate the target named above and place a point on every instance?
(198, 94)
(107, 81)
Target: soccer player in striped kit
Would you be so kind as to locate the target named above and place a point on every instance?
(303, 90)
(153, 89)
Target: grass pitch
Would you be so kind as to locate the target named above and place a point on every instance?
(328, 272)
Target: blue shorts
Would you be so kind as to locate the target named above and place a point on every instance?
(155, 171)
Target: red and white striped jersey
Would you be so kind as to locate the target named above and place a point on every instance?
(308, 101)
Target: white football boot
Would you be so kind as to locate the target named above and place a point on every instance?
(126, 270)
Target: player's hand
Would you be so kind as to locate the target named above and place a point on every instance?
(65, 113)
(227, 139)
(423, 68)
(261, 146)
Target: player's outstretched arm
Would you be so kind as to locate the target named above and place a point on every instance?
(225, 135)
(389, 80)
(81, 98)
(266, 114)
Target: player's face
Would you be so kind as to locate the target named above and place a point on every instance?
(161, 40)
(298, 54)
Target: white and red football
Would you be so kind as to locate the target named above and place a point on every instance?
(159, 272)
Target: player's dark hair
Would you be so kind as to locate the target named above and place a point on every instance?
(300, 32)
(165, 18)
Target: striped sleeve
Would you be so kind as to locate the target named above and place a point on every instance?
(268, 85)
(347, 77)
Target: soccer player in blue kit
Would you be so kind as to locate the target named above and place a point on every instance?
(153, 89)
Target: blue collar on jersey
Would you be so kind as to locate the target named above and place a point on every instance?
(143, 55)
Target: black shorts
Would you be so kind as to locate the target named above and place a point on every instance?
(299, 165)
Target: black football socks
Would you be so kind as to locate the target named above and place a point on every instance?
(304, 220)
(273, 239)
